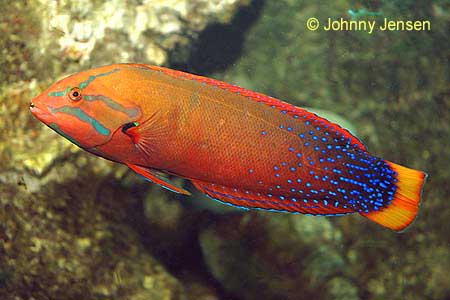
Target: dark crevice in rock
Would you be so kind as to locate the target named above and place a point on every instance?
(178, 250)
(218, 46)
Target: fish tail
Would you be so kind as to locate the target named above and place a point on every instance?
(402, 210)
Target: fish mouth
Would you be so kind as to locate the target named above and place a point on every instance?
(40, 113)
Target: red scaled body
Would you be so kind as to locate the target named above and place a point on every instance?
(235, 145)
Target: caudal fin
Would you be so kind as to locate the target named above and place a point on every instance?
(404, 206)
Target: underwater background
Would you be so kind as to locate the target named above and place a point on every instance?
(73, 226)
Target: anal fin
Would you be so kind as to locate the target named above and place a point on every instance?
(151, 175)
(247, 199)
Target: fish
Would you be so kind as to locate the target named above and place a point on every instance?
(360, 13)
(237, 146)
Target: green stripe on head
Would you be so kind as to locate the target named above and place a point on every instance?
(82, 116)
(81, 85)
(91, 78)
(131, 112)
(59, 93)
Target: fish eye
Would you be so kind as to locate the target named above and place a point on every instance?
(75, 94)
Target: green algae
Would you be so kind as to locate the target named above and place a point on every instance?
(393, 88)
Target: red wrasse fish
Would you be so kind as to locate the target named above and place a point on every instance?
(237, 146)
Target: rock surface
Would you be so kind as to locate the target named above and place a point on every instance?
(65, 227)
(278, 256)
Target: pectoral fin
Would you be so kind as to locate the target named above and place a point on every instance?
(151, 175)
(150, 134)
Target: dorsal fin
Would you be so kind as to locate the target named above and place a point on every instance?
(290, 109)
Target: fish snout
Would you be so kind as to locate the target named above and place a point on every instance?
(40, 111)
(35, 106)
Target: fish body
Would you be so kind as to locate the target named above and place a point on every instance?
(237, 146)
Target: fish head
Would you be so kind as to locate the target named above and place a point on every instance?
(87, 108)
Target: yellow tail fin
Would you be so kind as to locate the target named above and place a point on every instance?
(405, 204)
